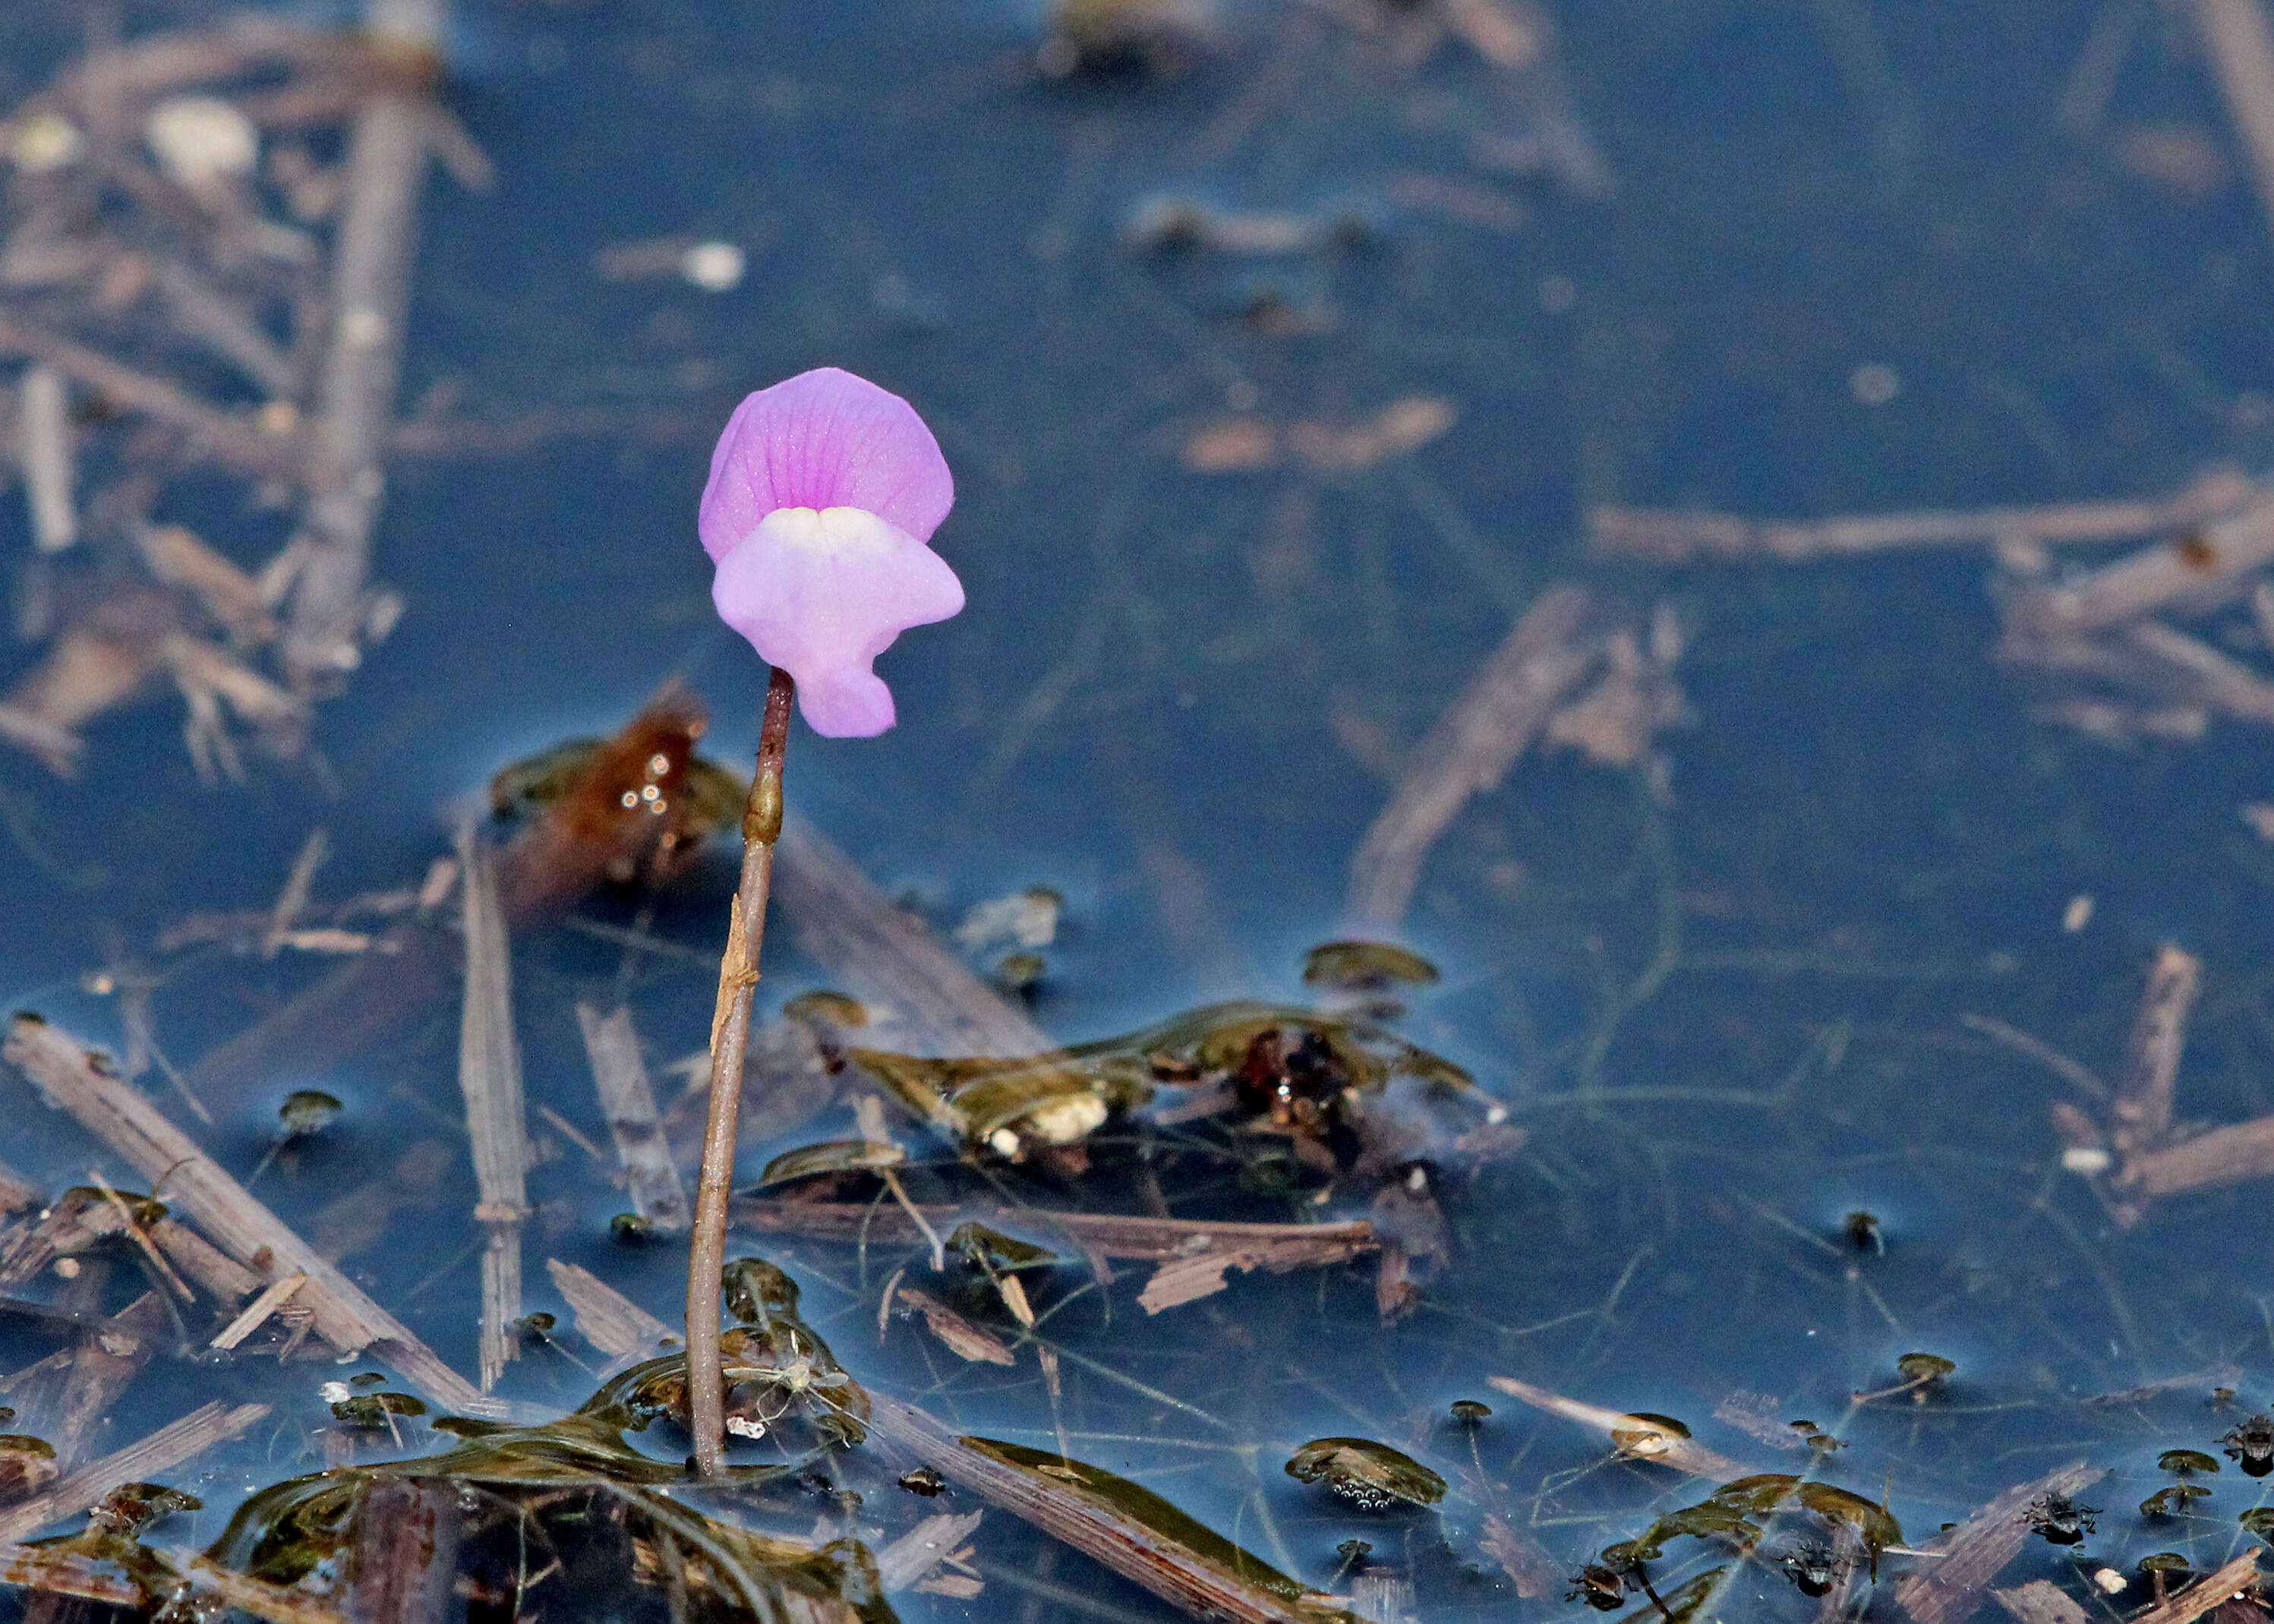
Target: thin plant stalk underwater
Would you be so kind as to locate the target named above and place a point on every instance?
(824, 494)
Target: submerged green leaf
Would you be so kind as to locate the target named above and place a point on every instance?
(1157, 1517)
(1371, 1476)
(1365, 965)
(2171, 1499)
(830, 1156)
(982, 1247)
(2184, 1460)
(308, 1110)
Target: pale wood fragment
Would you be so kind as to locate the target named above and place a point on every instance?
(651, 1178)
(2221, 554)
(843, 922)
(608, 1320)
(273, 1603)
(1674, 536)
(2205, 1594)
(965, 1339)
(2142, 1105)
(2241, 50)
(1112, 1235)
(257, 1311)
(2224, 1155)
(44, 446)
(2041, 1601)
(915, 1553)
(497, 1125)
(227, 439)
(139, 1462)
(344, 1315)
(387, 153)
(1503, 708)
(1649, 1442)
(1949, 1585)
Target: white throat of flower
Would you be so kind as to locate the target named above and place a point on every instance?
(837, 532)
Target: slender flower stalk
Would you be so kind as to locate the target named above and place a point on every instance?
(825, 491)
(730, 1040)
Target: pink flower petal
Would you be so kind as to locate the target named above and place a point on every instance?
(821, 594)
(824, 439)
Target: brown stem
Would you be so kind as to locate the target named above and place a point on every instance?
(730, 1037)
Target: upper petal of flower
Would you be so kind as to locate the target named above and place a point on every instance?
(824, 439)
(821, 594)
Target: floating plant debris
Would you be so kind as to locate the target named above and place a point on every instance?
(1194, 1541)
(826, 1009)
(2060, 1519)
(1019, 974)
(1812, 1566)
(1601, 1586)
(132, 1507)
(758, 1292)
(1646, 1434)
(1365, 967)
(308, 1110)
(374, 1411)
(995, 1251)
(1371, 1476)
(2172, 1500)
(1733, 1514)
(2250, 1442)
(1027, 919)
(831, 1156)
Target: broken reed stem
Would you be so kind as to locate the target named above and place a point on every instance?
(730, 1037)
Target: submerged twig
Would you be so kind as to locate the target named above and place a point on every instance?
(1275, 1247)
(610, 1320)
(1471, 748)
(2206, 1593)
(1633, 1436)
(497, 1127)
(1949, 1588)
(2224, 1155)
(2142, 1106)
(2241, 49)
(845, 923)
(44, 446)
(1100, 1529)
(651, 1180)
(345, 1315)
(1672, 537)
(730, 1036)
(355, 408)
(161, 1451)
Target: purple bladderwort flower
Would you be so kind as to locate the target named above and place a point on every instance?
(824, 494)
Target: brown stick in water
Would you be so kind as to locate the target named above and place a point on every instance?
(1471, 748)
(345, 1315)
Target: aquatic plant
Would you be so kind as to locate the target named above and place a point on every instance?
(824, 493)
